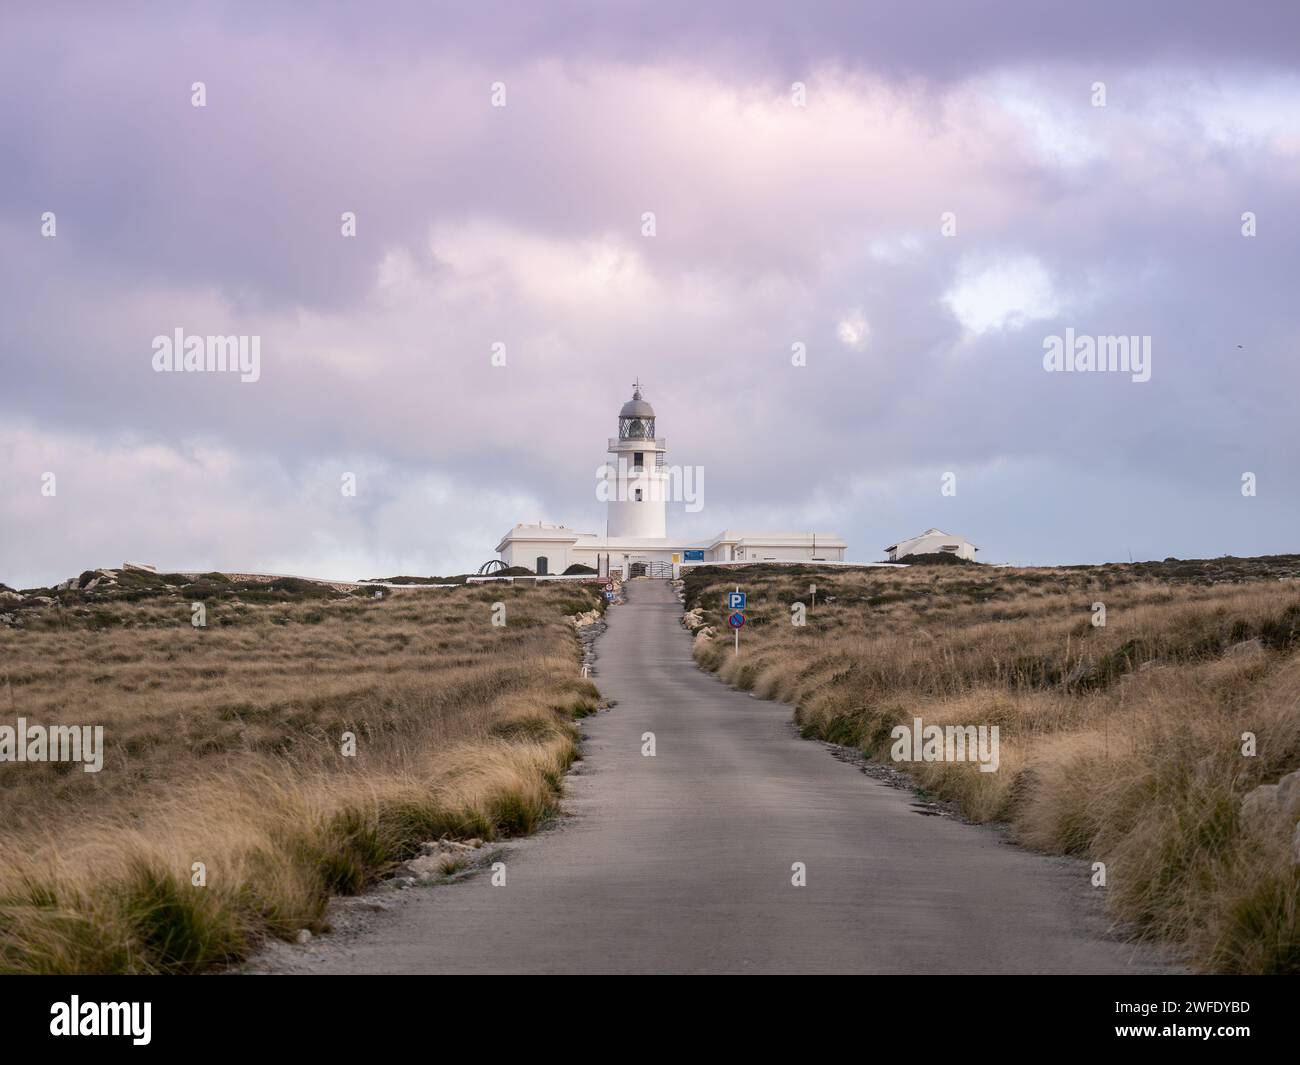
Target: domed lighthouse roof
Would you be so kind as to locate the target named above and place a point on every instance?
(636, 407)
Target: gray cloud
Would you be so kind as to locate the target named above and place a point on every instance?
(521, 225)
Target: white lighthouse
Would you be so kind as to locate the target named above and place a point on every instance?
(634, 484)
(636, 477)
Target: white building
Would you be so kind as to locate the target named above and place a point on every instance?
(932, 541)
(636, 490)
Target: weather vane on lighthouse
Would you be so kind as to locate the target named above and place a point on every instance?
(636, 387)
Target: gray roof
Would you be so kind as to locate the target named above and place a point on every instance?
(636, 407)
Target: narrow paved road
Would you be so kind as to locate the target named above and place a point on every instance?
(681, 863)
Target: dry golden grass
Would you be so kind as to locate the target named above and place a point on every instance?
(223, 746)
(1121, 744)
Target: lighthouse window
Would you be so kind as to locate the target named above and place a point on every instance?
(638, 459)
(638, 495)
(636, 428)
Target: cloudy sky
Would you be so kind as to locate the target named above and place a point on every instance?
(1093, 163)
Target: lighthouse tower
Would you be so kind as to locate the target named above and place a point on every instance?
(636, 478)
(635, 483)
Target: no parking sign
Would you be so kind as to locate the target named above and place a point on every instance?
(736, 603)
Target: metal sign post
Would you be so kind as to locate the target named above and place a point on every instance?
(736, 602)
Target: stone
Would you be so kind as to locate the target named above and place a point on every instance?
(368, 903)
(446, 846)
(1082, 671)
(304, 936)
(1288, 796)
(425, 867)
(1245, 649)
(441, 858)
(1260, 803)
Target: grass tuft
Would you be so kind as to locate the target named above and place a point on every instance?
(1120, 744)
(224, 751)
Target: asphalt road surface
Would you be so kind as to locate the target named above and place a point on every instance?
(682, 862)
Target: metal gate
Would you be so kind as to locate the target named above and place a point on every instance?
(662, 571)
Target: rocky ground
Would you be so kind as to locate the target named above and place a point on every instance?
(98, 587)
(590, 625)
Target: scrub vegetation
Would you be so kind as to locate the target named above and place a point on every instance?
(1121, 744)
(224, 746)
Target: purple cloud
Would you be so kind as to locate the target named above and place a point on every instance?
(776, 224)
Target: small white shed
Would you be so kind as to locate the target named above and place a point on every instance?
(932, 542)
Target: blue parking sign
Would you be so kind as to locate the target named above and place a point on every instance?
(735, 600)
